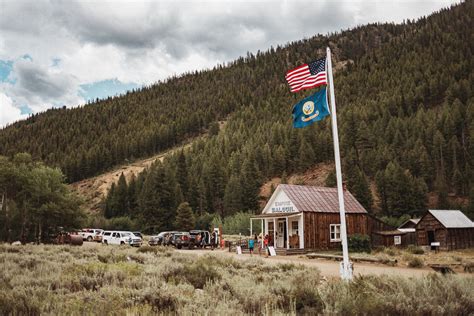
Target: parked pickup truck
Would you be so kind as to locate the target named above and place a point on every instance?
(89, 233)
(121, 238)
(182, 239)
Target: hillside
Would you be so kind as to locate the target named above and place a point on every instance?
(405, 111)
(94, 190)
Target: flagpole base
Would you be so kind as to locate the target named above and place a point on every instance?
(346, 273)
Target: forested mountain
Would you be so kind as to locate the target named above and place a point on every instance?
(405, 110)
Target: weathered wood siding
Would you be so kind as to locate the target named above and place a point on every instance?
(379, 240)
(460, 238)
(375, 225)
(430, 223)
(317, 231)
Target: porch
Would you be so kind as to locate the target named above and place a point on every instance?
(285, 230)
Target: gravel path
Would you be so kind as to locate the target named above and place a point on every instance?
(328, 268)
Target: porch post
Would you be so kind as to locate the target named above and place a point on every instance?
(287, 235)
(251, 227)
(263, 231)
(301, 230)
(274, 232)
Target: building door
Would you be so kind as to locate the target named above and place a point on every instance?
(271, 231)
(431, 237)
(281, 234)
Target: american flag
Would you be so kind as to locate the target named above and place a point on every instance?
(307, 76)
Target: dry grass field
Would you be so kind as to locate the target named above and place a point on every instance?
(65, 280)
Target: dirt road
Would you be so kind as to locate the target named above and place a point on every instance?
(328, 268)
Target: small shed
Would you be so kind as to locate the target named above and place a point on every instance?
(393, 238)
(452, 229)
(409, 225)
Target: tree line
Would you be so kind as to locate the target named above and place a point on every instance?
(35, 202)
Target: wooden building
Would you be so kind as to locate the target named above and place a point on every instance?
(307, 217)
(409, 225)
(393, 238)
(450, 228)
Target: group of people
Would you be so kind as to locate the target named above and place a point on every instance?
(200, 240)
(261, 244)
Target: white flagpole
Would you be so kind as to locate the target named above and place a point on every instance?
(346, 271)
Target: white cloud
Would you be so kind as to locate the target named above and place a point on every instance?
(8, 112)
(147, 41)
(40, 87)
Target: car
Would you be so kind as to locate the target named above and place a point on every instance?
(89, 233)
(138, 234)
(121, 238)
(181, 239)
(154, 241)
(98, 235)
(163, 238)
(204, 235)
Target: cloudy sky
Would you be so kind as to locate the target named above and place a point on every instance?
(55, 53)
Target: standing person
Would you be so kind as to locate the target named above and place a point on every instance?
(197, 241)
(216, 241)
(265, 245)
(212, 241)
(260, 244)
(251, 245)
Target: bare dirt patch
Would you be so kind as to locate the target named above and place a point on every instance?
(93, 190)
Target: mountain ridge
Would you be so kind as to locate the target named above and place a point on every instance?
(405, 111)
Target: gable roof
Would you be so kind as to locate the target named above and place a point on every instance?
(452, 218)
(319, 199)
(413, 221)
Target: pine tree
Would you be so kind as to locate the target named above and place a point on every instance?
(121, 193)
(184, 217)
(359, 186)
(233, 196)
(111, 203)
(250, 186)
(182, 174)
(132, 196)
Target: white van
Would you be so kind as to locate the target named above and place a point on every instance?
(114, 237)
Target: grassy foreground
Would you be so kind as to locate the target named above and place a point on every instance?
(122, 280)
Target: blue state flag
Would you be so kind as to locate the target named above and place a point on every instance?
(311, 109)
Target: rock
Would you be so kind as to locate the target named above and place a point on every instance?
(16, 243)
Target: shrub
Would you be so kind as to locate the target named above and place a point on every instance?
(415, 250)
(415, 262)
(145, 249)
(359, 243)
(391, 251)
(197, 274)
(160, 300)
(469, 267)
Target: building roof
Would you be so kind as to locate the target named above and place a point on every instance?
(320, 199)
(413, 221)
(452, 218)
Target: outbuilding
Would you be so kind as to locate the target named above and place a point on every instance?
(393, 238)
(409, 225)
(445, 229)
(307, 218)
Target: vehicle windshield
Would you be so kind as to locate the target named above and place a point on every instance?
(125, 234)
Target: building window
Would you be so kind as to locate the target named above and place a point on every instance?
(335, 232)
(294, 228)
(397, 240)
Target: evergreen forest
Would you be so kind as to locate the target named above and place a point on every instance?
(405, 98)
